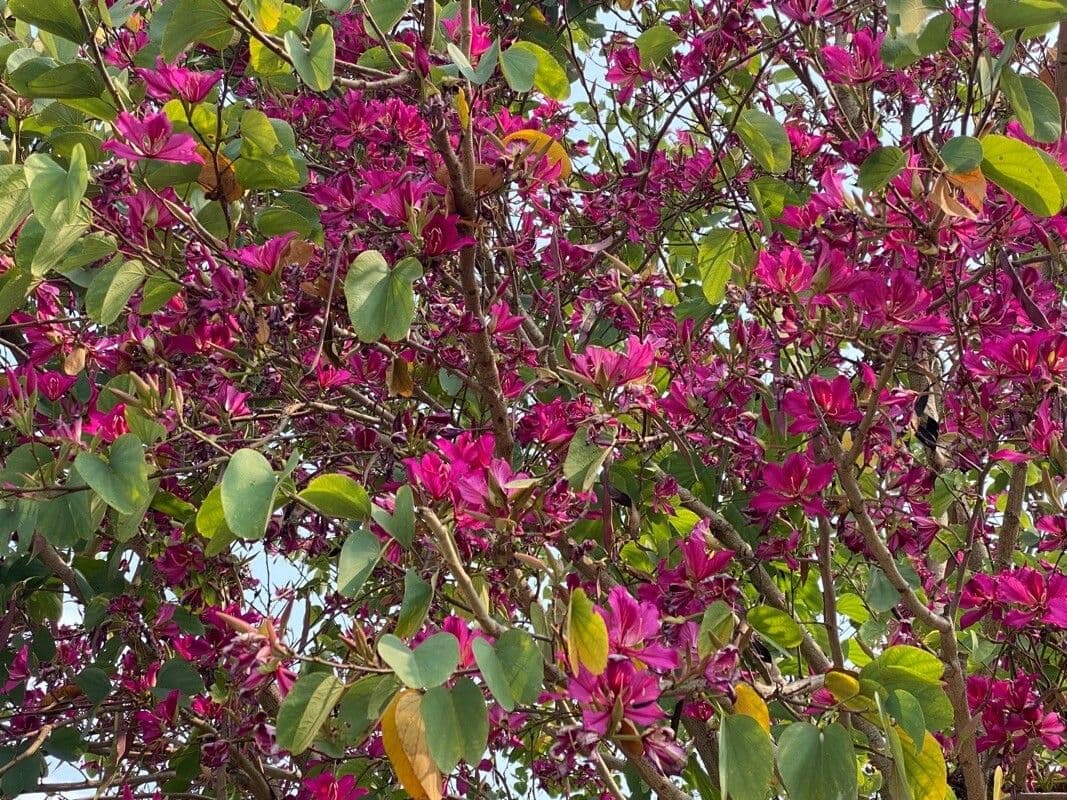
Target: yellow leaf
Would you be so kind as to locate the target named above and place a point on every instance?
(841, 685)
(626, 5)
(586, 635)
(750, 704)
(924, 769)
(540, 142)
(463, 108)
(404, 740)
(998, 783)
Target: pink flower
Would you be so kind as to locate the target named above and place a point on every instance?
(859, 64)
(626, 72)
(786, 272)
(797, 480)
(833, 402)
(806, 12)
(19, 670)
(327, 786)
(441, 236)
(152, 137)
(481, 34)
(167, 81)
(266, 257)
(607, 369)
(621, 690)
(631, 628)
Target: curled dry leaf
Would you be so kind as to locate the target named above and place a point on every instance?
(401, 382)
(942, 198)
(74, 361)
(404, 740)
(972, 183)
(541, 143)
(217, 176)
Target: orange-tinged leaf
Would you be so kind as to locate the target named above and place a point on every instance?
(586, 635)
(217, 176)
(942, 198)
(540, 142)
(750, 704)
(972, 183)
(404, 740)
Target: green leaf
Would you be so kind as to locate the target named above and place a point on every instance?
(519, 66)
(359, 556)
(304, 710)
(56, 193)
(158, 291)
(715, 258)
(177, 673)
(210, 519)
(430, 664)
(776, 625)
(586, 635)
(79, 79)
(512, 668)
(656, 44)
(67, 520)
(716, 628)
(315, 63)
(925, 769)
(457, 724)
(111, 288)
(95, 683)
(486, 64)
(247, 492)
(55, 16)
(1034, 104)
(584, 459)
(746, 758)
(766, 139)
(15, 201)
(401, 523)
(122, 480)
(908, 712)
(363, 705)
(337, 495)
(1008, 15)
(194, 21)
(917, 672)
(15, 286)
(386, 13)
(962, 154)
(1019, 170)
(881, 596)
(817, 764)
(381, 301)
(269, 158)
(880, 167)
(549, 76)
(417, 597)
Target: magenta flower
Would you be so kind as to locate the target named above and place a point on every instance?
(859, 64)
(797, 480)
(621, 690)
(152, 137)
(1037, 597)
(786, 272)
(979, 598)
(167, 81)
(327, 786)
(608, 369)
(266, 257)
(833, 402)
(632, 629)
(19, 670)
(626, 72)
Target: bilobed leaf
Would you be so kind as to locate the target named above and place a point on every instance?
(177, 673)
(586, 635)
(54, 191)
(917, 672)
(549, 76)
(247, 492)
(405, 743)
(1007, 15)
(315, 63)
(924, 767)
(962, 154)
(386, 13)
(817, 764)
(880, 167)
(381, 301)
(359, 555)
(1034, 104)
(417, 597)
(776, 625)
(656, 44)
(122, 480)
(584, 459)
(112, 287)
(1019, 170)
(746, 759)
(401, 523)
(337, 495)
(55, 16)
(715, 258)
(766, 139)
(428, 665)
(749, 702)
(512, 668)
(304, 710)
(457, 724)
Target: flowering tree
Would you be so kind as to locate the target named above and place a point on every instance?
(533, 398)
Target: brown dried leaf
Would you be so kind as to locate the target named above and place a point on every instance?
(400, 379)
(217, 176)
(941, 197)
(972, 183)
(74, 361)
